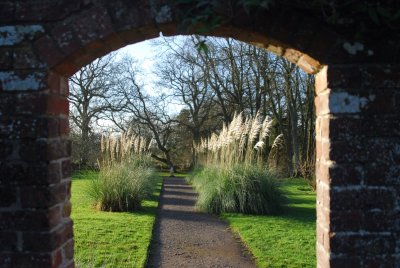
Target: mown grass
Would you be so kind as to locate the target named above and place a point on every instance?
(110, 239)
(286, 240)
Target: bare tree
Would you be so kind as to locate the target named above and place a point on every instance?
(92, 98)
(144, 110)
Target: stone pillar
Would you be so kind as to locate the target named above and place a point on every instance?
(358, 157)
(35, 227)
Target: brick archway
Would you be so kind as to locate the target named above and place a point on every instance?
(357, 104)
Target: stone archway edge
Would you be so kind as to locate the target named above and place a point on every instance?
(357, 110)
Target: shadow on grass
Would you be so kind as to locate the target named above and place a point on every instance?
(299, 201)
(300, 214)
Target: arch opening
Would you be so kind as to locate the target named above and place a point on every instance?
(243, 47)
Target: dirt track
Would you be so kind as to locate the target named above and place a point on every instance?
(185, 238)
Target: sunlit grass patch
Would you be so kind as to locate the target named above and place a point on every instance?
(110, 239)
(285, 240)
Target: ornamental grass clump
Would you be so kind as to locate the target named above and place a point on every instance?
(241, 188)
(234, 177)
(123, 185)
(125, 174)
(243, 141)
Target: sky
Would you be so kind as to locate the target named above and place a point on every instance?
(143, 52)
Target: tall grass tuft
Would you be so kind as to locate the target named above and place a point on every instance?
(241, 188)
(125, 174)
(234, 177)
(123, 185)
(243, 141)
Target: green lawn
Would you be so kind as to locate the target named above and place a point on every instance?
(287, 240)
(110, 239)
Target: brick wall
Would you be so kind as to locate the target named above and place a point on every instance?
(357, 104)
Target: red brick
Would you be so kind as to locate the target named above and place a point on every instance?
(6, 58)
(363, 245)
(378, 221)
(67, 67)
(347, 127)
(57, 258)
(64, 127)
(362, 198)
(26, 259)
(6, 150)
(346, 262)
(8, 241)
(66, 168)
(92, 25)
(7, 10)
(125, 17)
(66, 210)
(48, 51)
(384, 261)
(368, 150)
(346, 220)
(23, 128)
(22, 81)
(66, 38)
(114, 41)
(57, 84)
(57, 105)
(346, 174)
(47, 241)
(357, 77)
(22, 173)
(377, 174)
(44, 149)
(34, 104)
(25, 58)
(8, 196)
(45, 11)
(69, 249)
(31, 220)
(44, 196)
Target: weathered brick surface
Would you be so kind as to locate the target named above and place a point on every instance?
(44, 196)
(48, 50)
(18, 172)
(47, 241)
(31, 220)
(357, 128)
(41, 104)
(31, 259)
(69, 249)
(359, 162)
(8, 197)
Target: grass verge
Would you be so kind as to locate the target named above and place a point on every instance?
(286, 240)
(109, 239)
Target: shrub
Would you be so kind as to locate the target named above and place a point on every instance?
(123, 185)
(242, 188)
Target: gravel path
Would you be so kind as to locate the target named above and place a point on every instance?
(185, 238)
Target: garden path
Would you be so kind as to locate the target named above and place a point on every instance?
(185, 238)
